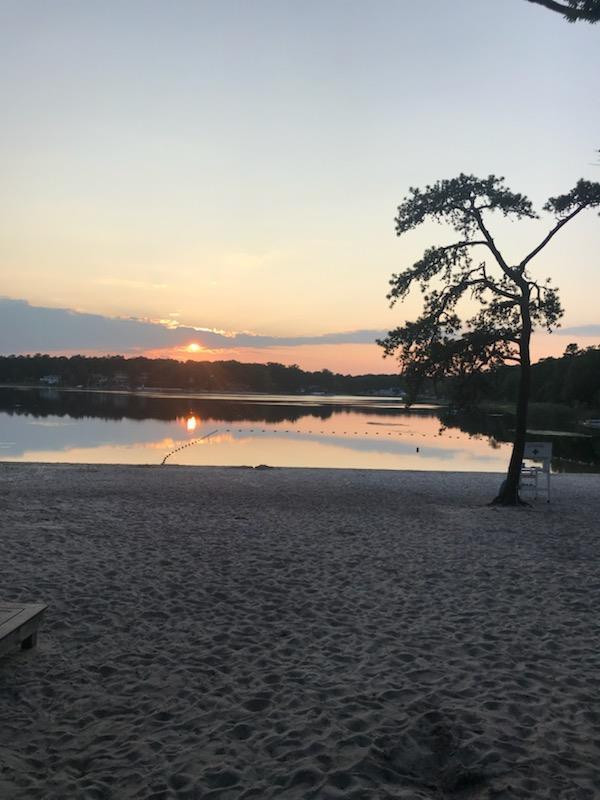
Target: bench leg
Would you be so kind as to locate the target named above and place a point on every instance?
(29, 642)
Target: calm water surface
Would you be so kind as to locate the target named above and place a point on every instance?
(300, 431)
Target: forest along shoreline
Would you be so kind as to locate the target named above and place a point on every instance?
(572, 379)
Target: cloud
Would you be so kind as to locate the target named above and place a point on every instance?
(580, 330)
(31, 329)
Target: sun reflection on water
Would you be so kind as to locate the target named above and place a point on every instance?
(300, 432)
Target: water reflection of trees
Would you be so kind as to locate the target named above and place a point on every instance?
(574, 453)
(571, 453)
(112, 406)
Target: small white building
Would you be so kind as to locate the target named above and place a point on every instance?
(50, 380)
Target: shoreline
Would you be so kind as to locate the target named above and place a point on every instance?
(217, 632)
(497, 475)
(168, 393)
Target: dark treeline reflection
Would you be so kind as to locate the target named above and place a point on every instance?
(554, 424)
(109, 406)
(574, 448)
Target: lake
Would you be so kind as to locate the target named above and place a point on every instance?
(73, 426)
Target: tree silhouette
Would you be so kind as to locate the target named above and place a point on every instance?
(509, 302)
(573, 10)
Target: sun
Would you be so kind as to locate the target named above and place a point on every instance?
(194, 347)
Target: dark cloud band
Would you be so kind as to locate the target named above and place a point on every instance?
(581, 330)
(26, 329)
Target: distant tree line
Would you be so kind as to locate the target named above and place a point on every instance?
(110, 372)
(573, 379)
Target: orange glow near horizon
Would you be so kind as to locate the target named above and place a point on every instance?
(194, 347)
(355, 359)
(352, 359)
(191, 424)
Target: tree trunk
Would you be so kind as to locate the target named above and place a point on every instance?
(509, 492)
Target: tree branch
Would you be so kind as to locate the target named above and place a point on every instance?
(552, 233)
(571, 13)
(434, 260)
(495, 288)
(453, 293)
(491, 244)
(466, 243)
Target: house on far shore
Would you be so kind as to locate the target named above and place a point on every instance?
(50, 380)
(120, 379)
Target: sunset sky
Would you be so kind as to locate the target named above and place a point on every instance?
(235, 167)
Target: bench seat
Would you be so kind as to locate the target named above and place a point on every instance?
(18, 624)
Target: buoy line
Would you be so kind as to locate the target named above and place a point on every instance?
(399, 434)
(187, 444)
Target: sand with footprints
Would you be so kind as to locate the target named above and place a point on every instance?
(279, 633)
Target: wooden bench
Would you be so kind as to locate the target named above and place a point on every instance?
(18, 625)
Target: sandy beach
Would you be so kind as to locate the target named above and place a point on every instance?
(278, 633)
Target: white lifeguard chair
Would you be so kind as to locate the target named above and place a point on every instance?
(535, 471)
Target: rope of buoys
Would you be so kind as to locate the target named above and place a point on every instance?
(263, 430)
(187, 444)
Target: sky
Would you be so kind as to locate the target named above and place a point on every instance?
(220, 179)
